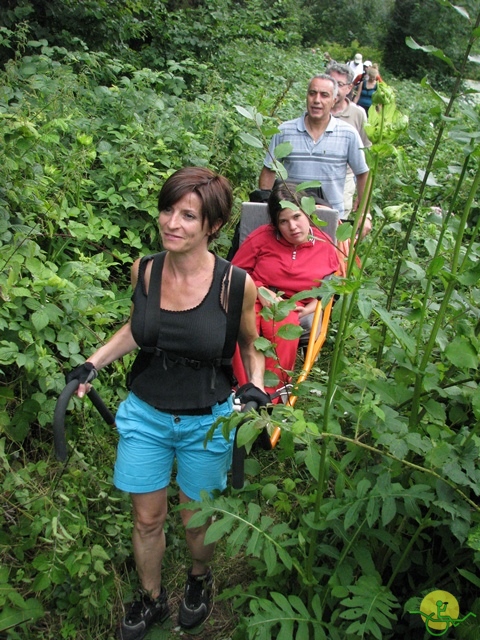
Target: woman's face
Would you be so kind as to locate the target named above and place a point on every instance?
(294, 226)
(181, 226)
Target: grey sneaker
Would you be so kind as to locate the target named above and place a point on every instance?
(142, 614)
(195, 605)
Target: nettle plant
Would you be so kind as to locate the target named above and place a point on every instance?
(373, 501)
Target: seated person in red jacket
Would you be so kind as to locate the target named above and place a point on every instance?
(289, 255)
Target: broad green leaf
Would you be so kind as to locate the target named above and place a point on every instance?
(285, 557)
(352, 515)
(463, 12)
(431, 181)
(99, 552)
(283, 149)
(312, 462)
(365, 306)
(438, 53)
(219, 528)
(436, 410)
(8, 352)
(238, 536)
(363, 487)
(476, 403)
(270, 558)
(10, 618)
(245, 112)
(461, 353)
(471, 577)
(289, 331)
(438, 456)
(262, 344)
(310, 184)
(344, 231)
(389, 510)
(402, 336)
(247, 433)
(252, 141)
(438, 97)
(473, 540)
(436, 265)
(269, 491)
(308, 205)
(42, 581)
(318, 222)
(280, 170)
(372, 512)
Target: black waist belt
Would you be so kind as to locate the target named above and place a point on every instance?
(202, 411)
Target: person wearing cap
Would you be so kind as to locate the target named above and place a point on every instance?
(356, 65)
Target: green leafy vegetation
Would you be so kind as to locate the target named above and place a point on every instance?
(370, 500)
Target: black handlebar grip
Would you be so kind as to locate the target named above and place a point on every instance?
(238, 458)
(59, 420)
(61, 409)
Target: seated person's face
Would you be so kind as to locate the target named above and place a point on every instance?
(294, 226)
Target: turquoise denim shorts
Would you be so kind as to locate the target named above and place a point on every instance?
(150, 440)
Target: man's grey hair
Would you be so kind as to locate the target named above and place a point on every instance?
(324, 76)
(344, 69)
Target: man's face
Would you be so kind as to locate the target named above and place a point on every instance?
(343, 88)
(320, 100)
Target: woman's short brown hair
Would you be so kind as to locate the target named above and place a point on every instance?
(214, 191)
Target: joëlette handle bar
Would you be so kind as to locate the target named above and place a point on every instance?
(59, 416)
(238, 458)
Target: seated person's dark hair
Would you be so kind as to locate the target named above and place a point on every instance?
(286, 191)
(315, 192)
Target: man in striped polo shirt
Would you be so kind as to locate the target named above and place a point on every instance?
(323, 147)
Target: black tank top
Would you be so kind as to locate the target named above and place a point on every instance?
(179, 366)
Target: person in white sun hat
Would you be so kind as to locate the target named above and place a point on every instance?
(356, 65)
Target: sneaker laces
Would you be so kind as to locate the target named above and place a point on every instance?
(139, 606)
(194, 590)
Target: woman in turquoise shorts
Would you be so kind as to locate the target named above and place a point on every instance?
(180, 383)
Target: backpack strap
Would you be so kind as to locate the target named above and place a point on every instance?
(152, 314)
(236, 292)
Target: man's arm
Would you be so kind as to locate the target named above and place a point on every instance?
(267, 178)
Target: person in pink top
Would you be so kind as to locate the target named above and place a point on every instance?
(288, 255)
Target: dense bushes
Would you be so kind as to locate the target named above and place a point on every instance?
(372, 497)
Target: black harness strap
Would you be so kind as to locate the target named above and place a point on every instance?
(234, 284)
(152, 313)
(234, 311)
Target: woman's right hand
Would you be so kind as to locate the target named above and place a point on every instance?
(84, 373)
